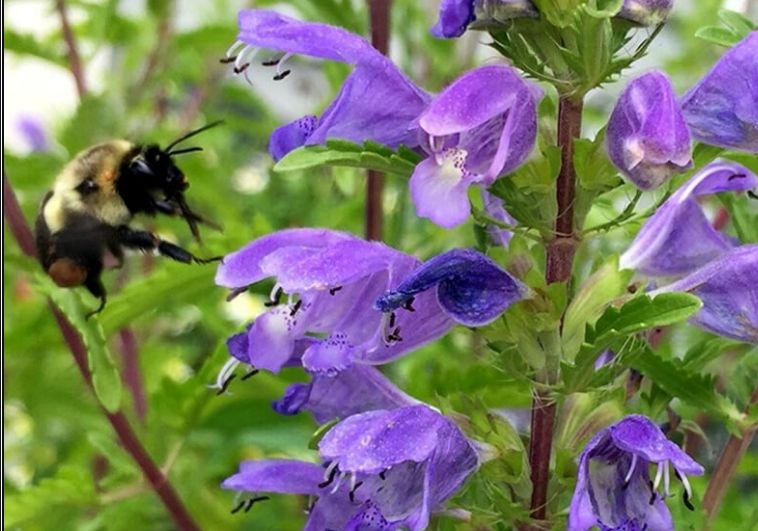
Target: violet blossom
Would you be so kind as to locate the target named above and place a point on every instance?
(330, 280)
(646, 12)
(678, 238)
(376, 101)
(494, 207)
(470, 287)
(457, 15)
(647, 138)
(728, 289)
(614, 490)
(480, 127)
(383, 470)
(722, 109)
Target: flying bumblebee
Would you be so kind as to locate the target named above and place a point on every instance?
(96, 196)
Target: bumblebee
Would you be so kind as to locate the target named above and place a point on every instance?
(87, 213)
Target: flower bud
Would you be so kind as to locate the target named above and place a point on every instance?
(456, 15)
(647, 138)
(646, 12)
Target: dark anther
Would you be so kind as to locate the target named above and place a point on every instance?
(227, 60)
(334, 290)
(311, 504)
(282, 75)
(687, 502)
(736, 176)
(625, 485)
(408, 305)
(239, 507)
(250, 374)
(631, 288)
(235, 292)
(272, 62)
(383, 475)
(240, 69)
(752, 194)
(277, 298)
(395, 335)
(251, 501)
(329, 480)
(352, 491)
(295, 308)
(653, 496)
(225, 385)
(392, 319)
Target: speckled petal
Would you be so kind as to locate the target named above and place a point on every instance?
(722, 109)
(678, 238)
(647, 138)
(291, 136)
(439, 188)
(728, 289)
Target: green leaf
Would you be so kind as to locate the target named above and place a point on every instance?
(692, 388)
(320, 432)
(718, 35)
(605, 285)
(370, 155)
(740, 25)
(106, 380)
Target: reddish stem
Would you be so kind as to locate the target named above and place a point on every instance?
(379, 16)
(559, 263)
(23, 235)
(74, 60)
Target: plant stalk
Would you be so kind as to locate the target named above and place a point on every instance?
(379, 20)
(727, 464)
(74, 59)
(128, 439)
(558, 267)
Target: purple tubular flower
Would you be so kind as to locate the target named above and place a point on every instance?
(647, 138)
(480, 127)
(355, 390)
(493, 205)
(613, 489)
(470, 287)
(646, 12)
(377, 102)
(678, 238)
(722, 109)
(457, 15)
(331, 280)
(728, 289)
(401, 463)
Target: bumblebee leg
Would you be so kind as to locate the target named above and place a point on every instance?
(95, 286)
(141, 239)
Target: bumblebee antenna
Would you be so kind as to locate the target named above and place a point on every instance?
(191, 134)
(185, 150)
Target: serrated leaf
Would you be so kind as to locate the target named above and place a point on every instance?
(370, 155)
(690, 387)
(106, 379)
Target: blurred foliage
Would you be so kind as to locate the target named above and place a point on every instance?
(63, 468)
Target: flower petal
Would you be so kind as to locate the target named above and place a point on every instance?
(440, 189)
(728, 289)
(678, 238)
(291, 136)
(282, 476)
(455, 16)
(722, 109)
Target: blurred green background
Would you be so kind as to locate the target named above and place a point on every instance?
(152, 72)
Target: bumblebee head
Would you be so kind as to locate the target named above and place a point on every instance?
(157, 165)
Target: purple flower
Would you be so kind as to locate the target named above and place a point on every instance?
(480, 127)
(613, 489)
(728, 289)
(493, 205)
(376, 101)
(722, 109)
(678, 238)
(470, 287)
(330, 279)
(33, 132)
(457, 15)
(355, 390)
(646, 12)
(647, 138)
(400, 465)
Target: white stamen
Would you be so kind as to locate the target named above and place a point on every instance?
(658, 476)
(631, 469)
(328, 471)
(353, 481)
(338, 482)
(233, 48)
(274, 291)
(246, 55)
(224, 373)
(686, 484)
(666, 479)
(281, 63)
(436, 143)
